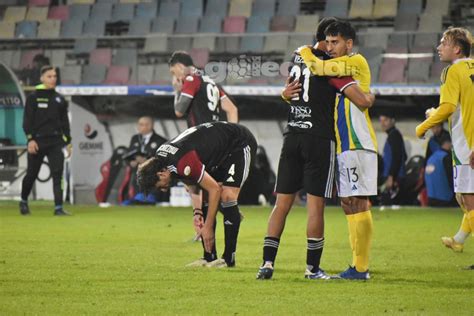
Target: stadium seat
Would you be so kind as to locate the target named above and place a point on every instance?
(83, 1)
(217, 8)
(60, 12)
(228, 44)
(93, 74)
(392, 71)
(437, 7)
(188, 25)
(373, 55)
(376, 37)
(430, 23)
(436, 70)
(27, 57)
(80, 11)
(71, 28)
(406, 22)
(399, 40)
(57, 57)
(234, 24)
(418, 72)
(210, 24)
(44, 3)
(14, 14)
(101, 11)
(169, 8)
(410, 7)
(361, 9)
(425, 40)
(258, 24)
(240, 8)
(71, 74)
(139, 26)
(306, 23)
(6, 56)
(180, 43)
(130, 1)
(84, 45)
(275, 43)
(101, 56)
(94, 27)
(264, 8)
(144, 74)
(107, 1)
(192, 7)
(37, 14)
(200, 56)
(26, 29)
(288, 7)
(49, 29)
(7, 29)
(337, 8)
(125, 57)
(161, 74)
(117, 75)
(385, 8)
(252, 43)
(163, 24)
(147, 10)
(123, 12)
(206, 41)
(282, 24)
(156, 44)
(298, 40)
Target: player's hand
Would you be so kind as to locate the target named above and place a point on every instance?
(33, 147)
(292, 89)
(198, 220)
(207, 235)
(299, 49)
(140, 159)
(471, 159)
(389, 183)
(419, 132)
(429, 112)
(177, 84)
(68, 151)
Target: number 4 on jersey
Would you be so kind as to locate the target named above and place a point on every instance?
(231, 172)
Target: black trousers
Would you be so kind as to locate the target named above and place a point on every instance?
(52, 150)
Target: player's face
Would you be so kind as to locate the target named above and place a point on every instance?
(49, 79)
(447, 52)
(337, 46)
(178, 71)
(165, 179)
(436, 130)
(386, 122)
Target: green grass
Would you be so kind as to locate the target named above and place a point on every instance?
(131, 261)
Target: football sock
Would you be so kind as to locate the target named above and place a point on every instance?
(313, 253)
(351, 223)
(231, 230)
(363, 240)
(58, 207)
(270, 249)
(464, 231)
(24, 201)
(208, 256)
(470, 218)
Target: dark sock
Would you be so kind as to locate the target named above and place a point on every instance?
(314, 252)
(209, 256)
(270, 249)
(231, 230)
(58, 207)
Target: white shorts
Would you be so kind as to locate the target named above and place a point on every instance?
(357, 173)
(463, 178)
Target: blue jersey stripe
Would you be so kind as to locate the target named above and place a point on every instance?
(342, 125)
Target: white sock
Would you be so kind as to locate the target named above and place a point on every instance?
(460, 236)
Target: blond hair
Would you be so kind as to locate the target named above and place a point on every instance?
(460, 37)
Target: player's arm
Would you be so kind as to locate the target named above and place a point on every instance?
(189, 88)
(319, 67)
(291, 90)
(437, 116)
(229, 107)
(352, 91)
(213, 190)
(181, 105)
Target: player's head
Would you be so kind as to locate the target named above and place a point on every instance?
(437, 129)
(145, 125)
(340, 37)
(322, 26)
(152, 174)
(48, 76)
(180, 63)
(387, 121)
(455, 43)
(445, 142)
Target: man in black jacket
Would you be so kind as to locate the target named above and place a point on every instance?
(46, 125)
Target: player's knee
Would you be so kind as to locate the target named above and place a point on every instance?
(228, 195)
(346, 202)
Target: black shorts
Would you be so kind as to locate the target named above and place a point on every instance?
(306, 162)
(234, 170)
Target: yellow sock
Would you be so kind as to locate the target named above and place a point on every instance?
(465, 227)
(364, 228)
(470, 218)
(351, 224)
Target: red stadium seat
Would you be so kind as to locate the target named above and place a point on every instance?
(234, 24)
(117, 75)
(60, 12)
(101, 56)
(43, 3)
(200, 56)
(393, 71)
(27, 58)
(282, 24)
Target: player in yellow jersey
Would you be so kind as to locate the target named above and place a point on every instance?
(456, 103)
(356, 143)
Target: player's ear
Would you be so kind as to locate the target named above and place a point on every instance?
(350, 43)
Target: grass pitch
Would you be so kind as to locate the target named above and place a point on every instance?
(131, 261)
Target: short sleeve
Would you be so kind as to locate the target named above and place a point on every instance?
(222, 94)
(190, 167)
(450, 87)
(341, 83)
(191, 86)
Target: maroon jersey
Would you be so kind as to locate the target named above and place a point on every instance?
(206, 104)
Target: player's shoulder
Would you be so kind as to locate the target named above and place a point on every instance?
(358, 58)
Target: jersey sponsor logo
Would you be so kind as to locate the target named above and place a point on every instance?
(58, 99)
(301, 124)
(298, 59)
(300, 112)
(43, 105)
(166, 149)
(189, 78)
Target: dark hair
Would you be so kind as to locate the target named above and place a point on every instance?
(147, 174)
(181, 57)
(342, 28)
(46, 68)
(444, 138)
(322, 26)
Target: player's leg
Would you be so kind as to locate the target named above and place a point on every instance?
(33, 167)
(468, 201)
(230, 210)
(456, 243)
(56, 164)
